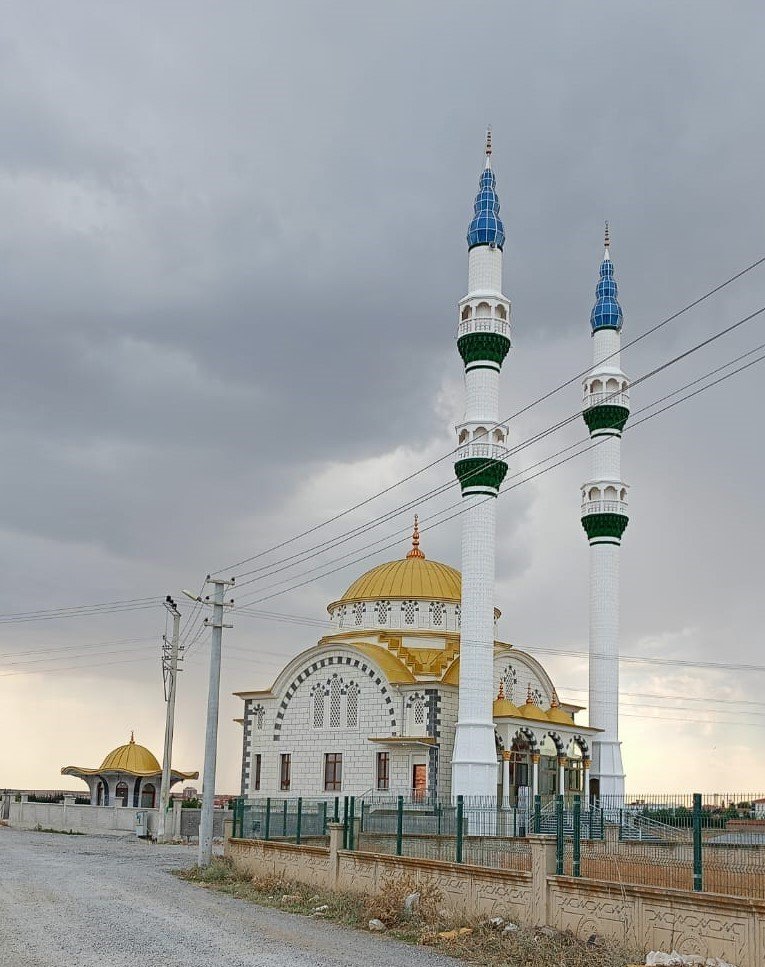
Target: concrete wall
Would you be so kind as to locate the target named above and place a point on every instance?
(109, 820)
(647, 917)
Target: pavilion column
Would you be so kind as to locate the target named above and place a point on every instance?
(506, 779)
(586, 783)
(535, 774)
(562, 775)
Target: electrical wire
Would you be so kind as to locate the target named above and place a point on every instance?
(686, 308)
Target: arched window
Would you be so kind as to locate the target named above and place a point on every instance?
(318, 707)
(381, 609)
(358, 613)
(458, 614)
(500, 312)
(353, 706)
(409, 611)
(417, 715)
(466, 313)
(148, 795)
(121, 794)
(483, 309)
(509, 680)
(335, 702)
(436, 613)
(258, 717)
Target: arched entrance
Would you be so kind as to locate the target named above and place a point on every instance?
(121, 794)
(148, 796)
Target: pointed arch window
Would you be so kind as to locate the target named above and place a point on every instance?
(352, 710)
(335, 703)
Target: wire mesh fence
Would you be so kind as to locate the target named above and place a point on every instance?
(714, 843)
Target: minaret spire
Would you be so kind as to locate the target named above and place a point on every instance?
(604, 518)
(415, 551)
(483, 341)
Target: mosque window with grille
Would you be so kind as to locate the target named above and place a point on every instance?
(335, 703)
(437, 614)
(258, 717)
(409, 610)
(536, 694)
(318, 708)
(458, 614)
(419, 712)
(358, 613)
(509, 680)
(382, 608)
(352, 706)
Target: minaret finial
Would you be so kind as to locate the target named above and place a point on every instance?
(501, 692)
(488, 141)
(415, 551)
(529, 696)
(606, 237)
(132, 737)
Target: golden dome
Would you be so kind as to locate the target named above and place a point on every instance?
(132, 758)
(556, 714)
(504, 708)
(530, 709)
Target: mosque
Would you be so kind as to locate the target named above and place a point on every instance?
(411, 693)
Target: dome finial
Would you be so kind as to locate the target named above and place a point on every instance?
(132, 738)
(555, 703)
(415, 551)
(529, 696)
(501, 692)
(606, 238)
(488, 147)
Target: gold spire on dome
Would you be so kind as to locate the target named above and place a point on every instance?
(501, 692)
(132, 737)
(415, 551)
(556, 714)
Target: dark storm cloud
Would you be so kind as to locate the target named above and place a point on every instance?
(232, 241)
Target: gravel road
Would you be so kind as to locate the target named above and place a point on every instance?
(84, 901)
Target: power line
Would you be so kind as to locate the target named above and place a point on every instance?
(504, 490)
(365, 527)
(691, 305)
(57, 648)
(107, 607)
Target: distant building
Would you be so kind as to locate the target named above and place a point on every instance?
(130, 775)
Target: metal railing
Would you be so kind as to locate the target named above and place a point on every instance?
(604, 507)
(484, 324)
(609, 397)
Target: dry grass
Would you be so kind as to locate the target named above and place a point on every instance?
(482, 945)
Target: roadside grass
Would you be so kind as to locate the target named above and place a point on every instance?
(476, 941)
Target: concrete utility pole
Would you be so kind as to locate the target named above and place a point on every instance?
(213, 702)
(170, 673)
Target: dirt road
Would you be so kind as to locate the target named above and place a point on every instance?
(84, 901)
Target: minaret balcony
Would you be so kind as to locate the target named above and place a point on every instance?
(485, 451)
(605, 505)
(484, 324)
(614, 397)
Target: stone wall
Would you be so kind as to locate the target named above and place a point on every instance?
(647, 917)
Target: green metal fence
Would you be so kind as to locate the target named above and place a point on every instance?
(710, 843)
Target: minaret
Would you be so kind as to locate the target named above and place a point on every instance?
(483, 342)
(604, 518)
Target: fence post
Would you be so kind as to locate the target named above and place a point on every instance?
(345, 822)
(336, 816)
(268, 819)
(324, 818)
(400, 826)
(438, 816)
(577, 871)
(602, 822)
(351, 823)
(515, 820)
(284, 818)
(361, 818)
(537, 814)
(460, 812)
(697, 854)
(560, 839)
(299, 821)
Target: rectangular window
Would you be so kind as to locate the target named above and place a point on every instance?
(333, 771)
(256, 773)
(286, 770)
(383, 770)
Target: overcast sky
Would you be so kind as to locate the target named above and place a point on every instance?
(231, 246)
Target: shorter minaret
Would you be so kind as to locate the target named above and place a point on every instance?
(604, 518)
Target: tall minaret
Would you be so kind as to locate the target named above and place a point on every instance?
(483, 342)
(604, 518)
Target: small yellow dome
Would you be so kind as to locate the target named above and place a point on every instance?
(504, 708)
(132, 758)
(556, 714)
(530, 710)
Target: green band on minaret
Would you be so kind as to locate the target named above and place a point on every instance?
(480, 472)
(605, 525)
(606, 417)
(477, 346)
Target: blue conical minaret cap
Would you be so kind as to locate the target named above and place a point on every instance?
(486, 228)
(606, 313)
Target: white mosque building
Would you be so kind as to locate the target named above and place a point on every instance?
(411, 693)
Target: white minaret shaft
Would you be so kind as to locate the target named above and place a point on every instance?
(604, 517)
(483, 342)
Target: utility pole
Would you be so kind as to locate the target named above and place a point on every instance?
(169, 675)
(213, 703)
